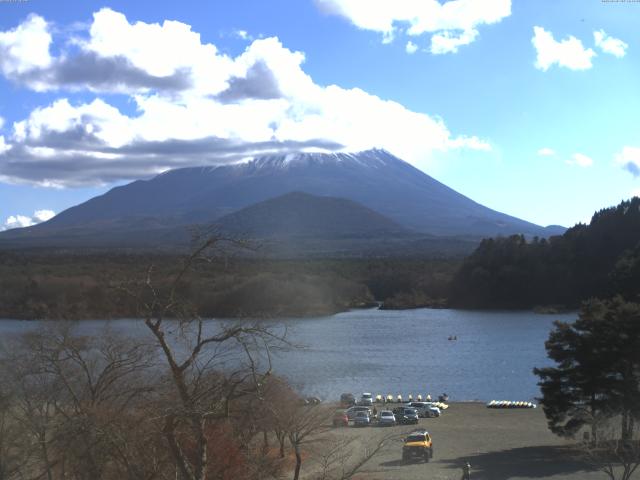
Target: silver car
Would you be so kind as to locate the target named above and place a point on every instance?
(352, 412)
(425, 409)
(361, 419)
(386, 418)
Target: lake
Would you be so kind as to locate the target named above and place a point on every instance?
(405, 351)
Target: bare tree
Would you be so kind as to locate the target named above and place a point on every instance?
(278, 401)
(618, 458)
(187, 402)
(33, 412)
(193, 355)
(76, 401)
(343, 458)
(13, 453)
(304, 426)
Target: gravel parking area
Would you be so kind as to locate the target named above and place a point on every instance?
(499, 445)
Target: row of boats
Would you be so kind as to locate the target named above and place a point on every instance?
(410, 398)
(510, 404)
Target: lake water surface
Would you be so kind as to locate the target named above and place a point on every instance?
(406, 352)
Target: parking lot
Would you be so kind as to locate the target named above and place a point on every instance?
(499, 444)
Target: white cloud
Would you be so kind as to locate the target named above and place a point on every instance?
(258, 102)
(4, 147)
(25, 47)
(157, 49)
(140, 58)
(629, 159)
(243, 35)
(580, 160)
(473, 143)
(96, 119)
(160, 49)
(43, 215)
(568, 53)
(546, 152)
(17, 221)
(21, 221)
(411, 47)
(448, 41)
(453, 23)
(1, 122)
(608, 44)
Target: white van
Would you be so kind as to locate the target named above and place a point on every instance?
(366, 399)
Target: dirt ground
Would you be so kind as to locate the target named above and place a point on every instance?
(499, 445)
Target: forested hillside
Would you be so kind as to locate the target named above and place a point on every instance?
(54, 286)
(595, 260)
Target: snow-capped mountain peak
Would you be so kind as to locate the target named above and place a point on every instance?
(367, 158)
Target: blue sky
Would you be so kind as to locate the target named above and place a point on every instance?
(528, 107)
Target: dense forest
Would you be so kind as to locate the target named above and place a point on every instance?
(601, 259)
(42, 285)
(596, 260)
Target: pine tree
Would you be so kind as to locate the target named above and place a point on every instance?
(597, 372)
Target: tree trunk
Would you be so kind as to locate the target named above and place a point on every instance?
(594, 421)
(627, 426)
(45, 456)
(296, 473)
(201, 470)
(281, 439)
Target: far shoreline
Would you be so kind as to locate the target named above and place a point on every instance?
(543, 311)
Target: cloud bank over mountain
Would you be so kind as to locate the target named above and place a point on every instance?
(192, 104)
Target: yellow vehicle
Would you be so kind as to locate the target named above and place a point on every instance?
(417, 445)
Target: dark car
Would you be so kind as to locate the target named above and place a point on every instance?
(347, 399)
(406, 415)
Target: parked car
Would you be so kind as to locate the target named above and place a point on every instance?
(433, 411)
(361, 419)
(425, 409)
(351, 413)
(405, 415)
(386, 418)
(347, 399)
(340, 419)
(366, 399)
(417, 445)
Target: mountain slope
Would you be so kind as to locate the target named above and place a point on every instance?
(373, 178)
(300, 214)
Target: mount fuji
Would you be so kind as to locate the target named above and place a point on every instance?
(371, 180)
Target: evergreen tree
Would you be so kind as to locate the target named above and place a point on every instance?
(601, 259)
(597, 372)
